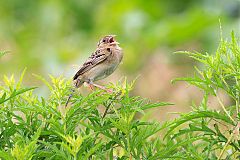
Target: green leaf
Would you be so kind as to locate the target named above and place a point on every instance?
(15, 93)
(92, 150)
(168, 152)
(21, 78)
(5, 155)
(195, 115)
(154, 105)
(44, 81)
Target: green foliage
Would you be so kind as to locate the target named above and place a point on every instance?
(218, 128)
(103, 125)
(36, 128)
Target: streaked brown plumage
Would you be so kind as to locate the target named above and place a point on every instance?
(102, 63)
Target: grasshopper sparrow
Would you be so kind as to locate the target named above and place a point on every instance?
(101, 63)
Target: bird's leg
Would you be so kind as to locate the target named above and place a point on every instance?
(91, 84)
(99, 86)
(102, 87)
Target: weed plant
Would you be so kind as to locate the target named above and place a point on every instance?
(103, 125)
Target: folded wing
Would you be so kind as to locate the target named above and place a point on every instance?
(97, 57)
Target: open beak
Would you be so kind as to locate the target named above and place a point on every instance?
(115, 42)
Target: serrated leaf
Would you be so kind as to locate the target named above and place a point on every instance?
(15, 93)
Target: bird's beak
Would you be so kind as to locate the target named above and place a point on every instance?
(115, 42)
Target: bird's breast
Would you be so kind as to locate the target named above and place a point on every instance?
(107, 67)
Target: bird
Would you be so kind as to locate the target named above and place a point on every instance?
(102, 63)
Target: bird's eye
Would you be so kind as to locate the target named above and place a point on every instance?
(104, 41)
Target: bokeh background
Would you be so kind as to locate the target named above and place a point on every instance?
(56, 36)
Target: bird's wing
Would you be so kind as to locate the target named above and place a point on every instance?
(97, 57)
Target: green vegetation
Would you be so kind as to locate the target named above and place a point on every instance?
(218, 129)
(33, 127)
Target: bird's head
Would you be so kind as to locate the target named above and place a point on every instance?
(108, 40)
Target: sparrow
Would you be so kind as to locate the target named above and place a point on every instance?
(102, 63)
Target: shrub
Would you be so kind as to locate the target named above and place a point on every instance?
(217, 129)
(33, 127)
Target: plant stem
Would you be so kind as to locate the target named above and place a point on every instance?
(223, 107)
(237, 95)
(224, 148)
(107, 108)
(129, 147)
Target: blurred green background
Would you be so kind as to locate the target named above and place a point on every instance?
(56, 36)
